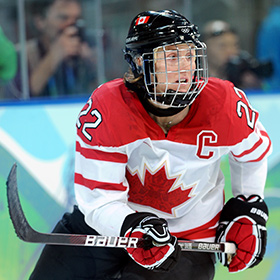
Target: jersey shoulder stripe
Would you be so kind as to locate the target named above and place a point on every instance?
(255, 146)
(267, 151)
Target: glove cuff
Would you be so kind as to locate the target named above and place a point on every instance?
(253, 208)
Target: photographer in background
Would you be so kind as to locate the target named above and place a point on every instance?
(228, 61)
(60, 61)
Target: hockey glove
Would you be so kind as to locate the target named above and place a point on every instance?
(243, 222)
(159, 250)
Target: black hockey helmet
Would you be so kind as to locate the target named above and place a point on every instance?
(152, 29)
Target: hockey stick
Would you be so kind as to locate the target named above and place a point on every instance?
(26, 233)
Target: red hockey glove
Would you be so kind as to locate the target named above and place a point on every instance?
(243, 222)
(160, 250)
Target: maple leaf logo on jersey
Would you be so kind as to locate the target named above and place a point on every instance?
(157, 191)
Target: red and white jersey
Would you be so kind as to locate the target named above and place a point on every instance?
(125, 162)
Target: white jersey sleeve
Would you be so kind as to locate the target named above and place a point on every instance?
(248, 158)
(101, 188)
(249, 168)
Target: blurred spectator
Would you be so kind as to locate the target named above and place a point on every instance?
(228, 61)
(8, 60)
(222, 43)
(268, 44)
(60, 60)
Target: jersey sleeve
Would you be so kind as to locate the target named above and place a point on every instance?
(250, 149)
(100, 184)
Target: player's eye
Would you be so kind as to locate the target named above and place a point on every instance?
(172, 55)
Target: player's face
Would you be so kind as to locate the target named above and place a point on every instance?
(59, 16)
(174, 67)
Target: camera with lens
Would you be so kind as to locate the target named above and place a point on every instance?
(238, 66)
(80, 25)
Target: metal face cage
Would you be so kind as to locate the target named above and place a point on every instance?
(175, 74)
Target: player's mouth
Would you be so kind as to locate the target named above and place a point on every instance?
(183, 85)
(182, 81)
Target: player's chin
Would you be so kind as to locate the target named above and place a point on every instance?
(184, 87)
(159, 104)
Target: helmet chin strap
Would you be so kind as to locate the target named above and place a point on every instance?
(149, 107)
(178, 99)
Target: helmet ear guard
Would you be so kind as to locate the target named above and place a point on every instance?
(136, 70)
(148, 68)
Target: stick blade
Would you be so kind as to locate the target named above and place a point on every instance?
(17, 216)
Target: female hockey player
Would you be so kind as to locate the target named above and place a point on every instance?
(148, 153)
